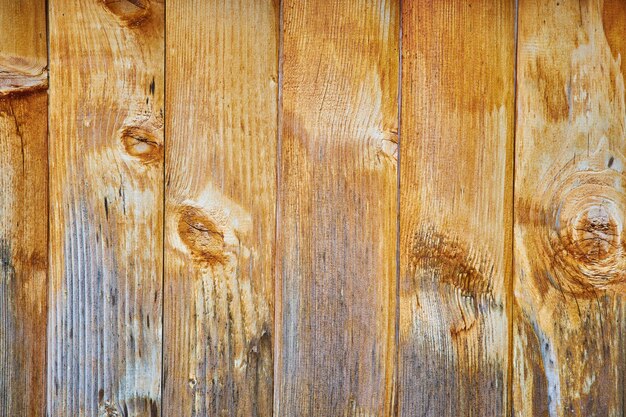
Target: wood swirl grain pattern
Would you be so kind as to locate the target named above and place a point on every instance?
(570, 208)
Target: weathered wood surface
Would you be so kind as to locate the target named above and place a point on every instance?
(270, 257)
(106, 207)
(455, 207)
(569, 209)
(23, 207)
(336, 226)
(221, 129)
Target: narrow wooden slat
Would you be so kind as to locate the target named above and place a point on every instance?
(23, 207)
(106, 207)
(455, 207)
(336, 226)
(222, 104)
(570, 209)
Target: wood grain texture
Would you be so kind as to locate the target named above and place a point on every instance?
(455, 207)
(336, 226)
(23, 207)
(570, 206)
(106, 207)
(222, 106)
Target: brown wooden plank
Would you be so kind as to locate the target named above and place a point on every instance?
(336, 228)
(106, 208)
(23, 207)
(455, 207)
(222, 105)
(570, 206)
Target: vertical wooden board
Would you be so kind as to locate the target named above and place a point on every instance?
(569, 209)
(455, 207)
(23, 207)
(106, 207)
(336, 226)
(222, 105)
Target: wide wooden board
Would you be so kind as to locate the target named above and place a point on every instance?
(569, 209)
(455, 207)
(336, 225)
(106, 207)
(221, 129)
(23, 207)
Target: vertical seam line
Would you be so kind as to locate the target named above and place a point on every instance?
(163, 207)
(511, 233)
(49, 204)
(396, 398)
(277, 280)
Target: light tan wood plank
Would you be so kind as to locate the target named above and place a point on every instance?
(336, 237)
(570, 205)
(455, 207)
(23, 207)
(106, 217)
(222, 104)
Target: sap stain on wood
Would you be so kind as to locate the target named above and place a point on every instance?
(202, 236)
(556, 105)
(614, 23)
(6, 258)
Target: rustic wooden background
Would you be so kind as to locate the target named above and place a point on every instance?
(312, 208)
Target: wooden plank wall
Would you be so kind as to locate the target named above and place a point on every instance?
(331, 208)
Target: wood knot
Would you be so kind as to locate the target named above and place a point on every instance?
(129, 12)
(594, 235)
(587, 239)
(202, 236)
(142, 144)
(574, 229)
(109, 409)
(19, 76)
